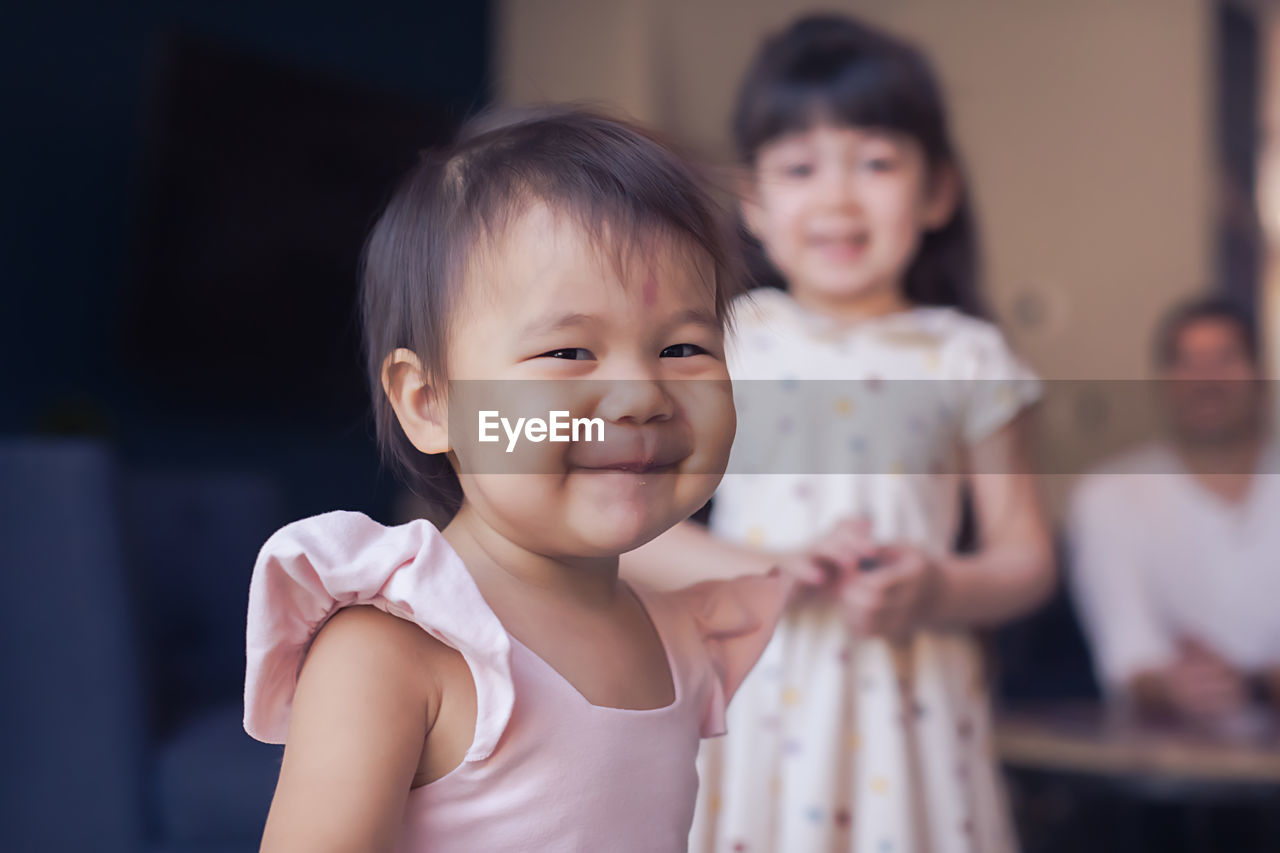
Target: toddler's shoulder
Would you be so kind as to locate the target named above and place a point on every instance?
(388, 662)
(309, 571)
(371, 638)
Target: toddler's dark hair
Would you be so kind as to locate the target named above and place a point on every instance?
(830, 68)
(615, 180)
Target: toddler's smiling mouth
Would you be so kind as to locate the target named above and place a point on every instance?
(635, 467)
(642, 450)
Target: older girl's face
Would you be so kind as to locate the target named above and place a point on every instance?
(841, 210)
(552, 321)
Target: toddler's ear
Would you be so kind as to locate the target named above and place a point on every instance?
(943, 198)
(422, 412)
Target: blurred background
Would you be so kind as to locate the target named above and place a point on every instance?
(1112, 148)
(187, 186)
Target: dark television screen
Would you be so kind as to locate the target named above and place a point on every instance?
(260, 185)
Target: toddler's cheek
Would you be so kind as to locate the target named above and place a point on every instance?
(713, 421)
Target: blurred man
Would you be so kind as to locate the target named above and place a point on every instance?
(1176, 546)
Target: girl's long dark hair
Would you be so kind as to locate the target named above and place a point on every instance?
(830, 68)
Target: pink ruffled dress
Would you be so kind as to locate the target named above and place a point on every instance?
(547, 770)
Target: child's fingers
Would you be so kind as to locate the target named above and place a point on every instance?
(815, 572)
(839, 556)
(897, 558)
(847, 542)
(879, 582)
(807, 569)
(865, 600)
(881, 603)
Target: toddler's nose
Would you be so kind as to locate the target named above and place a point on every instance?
(635, 401)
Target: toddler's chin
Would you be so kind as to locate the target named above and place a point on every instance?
(611, 531)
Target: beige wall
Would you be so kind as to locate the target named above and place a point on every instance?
(1086, 126)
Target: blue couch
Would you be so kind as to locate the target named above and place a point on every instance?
(123, 654)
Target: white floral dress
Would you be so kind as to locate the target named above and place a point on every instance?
(838, 743)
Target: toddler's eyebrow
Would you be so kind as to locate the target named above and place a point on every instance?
(549, 323)
(696, 317)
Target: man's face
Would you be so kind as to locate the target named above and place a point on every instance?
(1212, 387)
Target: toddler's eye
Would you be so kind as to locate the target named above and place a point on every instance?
(682, 351)
(798, 170)
(569, 353)
(880, 164)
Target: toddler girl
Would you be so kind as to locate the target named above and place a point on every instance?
(501, 689)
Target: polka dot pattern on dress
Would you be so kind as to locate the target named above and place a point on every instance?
(871, 419)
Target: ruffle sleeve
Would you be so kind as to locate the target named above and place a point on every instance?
(734, 620)
(310, 569)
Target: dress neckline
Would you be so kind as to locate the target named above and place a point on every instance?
(676, 691)
(513, 640)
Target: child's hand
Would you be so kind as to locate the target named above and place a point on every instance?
(892, 599)
(825, 561)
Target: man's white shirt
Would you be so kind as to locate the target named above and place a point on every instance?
(1156, 556)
